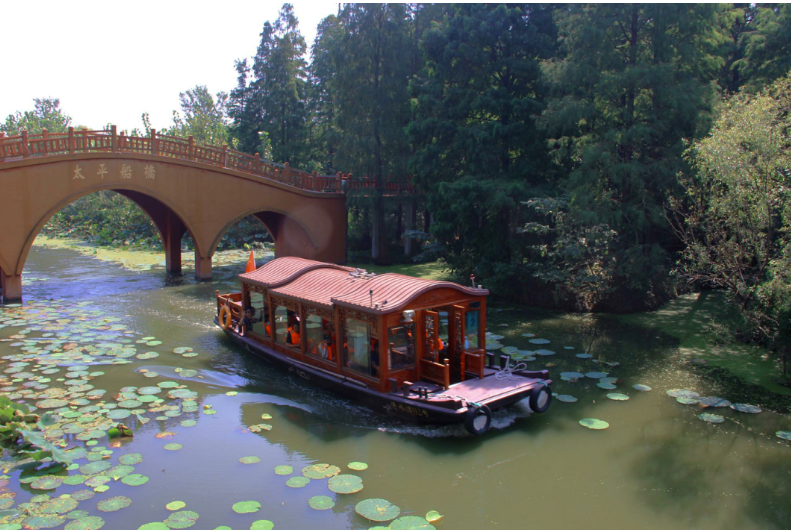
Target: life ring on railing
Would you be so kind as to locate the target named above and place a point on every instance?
(225, 317)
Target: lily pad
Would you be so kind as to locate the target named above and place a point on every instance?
(263, 524)
(91, 522)
(714, 402)
(173, 446)
(246, 507)
(113, 504)
(297, 482)
(617, 396)
(434, 516)
(593, 423)
(58, 505)
(320, 471)
(378, 510)
(358, 466)
(584, 356)
(411, 522)
(345, 484)
(188, 423)
(565, 398)
(250, 459)
(39, 522)
(642, 388)
(46, 483)
(544, 352)
(130, 459)
(284, 470)
(748, 409)
(539, 341)
(182, 349)
(678, 392)
(175, 505)
(606, 386)
(686, 401)
(784, 435)
(596, 375)
(321, 502)
(135, 479)
(711, 418)
(182, 519)
(569, 376)
(154, 526)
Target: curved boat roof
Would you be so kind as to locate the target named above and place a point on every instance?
(327, 284)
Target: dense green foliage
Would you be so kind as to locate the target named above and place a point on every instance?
(735, 219)
(46, 114)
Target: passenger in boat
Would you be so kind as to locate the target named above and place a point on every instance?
(247, 322)
(374, 353)
(267, 325)
(292, 335)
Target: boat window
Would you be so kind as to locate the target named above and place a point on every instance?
(287, 327)
(472, 330)
(401, 346)
(360, 348)
(319, 337)
(260, 314)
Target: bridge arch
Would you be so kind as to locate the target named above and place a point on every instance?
(290, 235)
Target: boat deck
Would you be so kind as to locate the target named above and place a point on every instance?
(490, 388)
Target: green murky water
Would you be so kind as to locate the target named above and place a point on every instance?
(657, 465)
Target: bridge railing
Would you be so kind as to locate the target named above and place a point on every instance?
(26, 145)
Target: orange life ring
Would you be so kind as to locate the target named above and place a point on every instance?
(225, 317)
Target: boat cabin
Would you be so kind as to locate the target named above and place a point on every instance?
(384, 330)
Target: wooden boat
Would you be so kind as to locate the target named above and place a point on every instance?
(408, 347)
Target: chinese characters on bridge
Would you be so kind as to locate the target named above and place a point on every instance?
(149, 172)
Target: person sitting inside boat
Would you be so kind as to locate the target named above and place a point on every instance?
(326, 348)
(267, 325)
(292, 335)
(247, 321)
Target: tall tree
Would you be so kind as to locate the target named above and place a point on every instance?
(46, 114)
(270, 95)
(634, 84)
(370, 87)
(479, 151)
(767, 53)
(202, 116)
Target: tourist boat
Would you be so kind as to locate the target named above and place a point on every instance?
(409, 347)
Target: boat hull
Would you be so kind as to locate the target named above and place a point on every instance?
(396, 405)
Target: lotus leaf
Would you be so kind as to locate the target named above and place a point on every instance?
(567, 376)
(345, 484)
(149, 390)
(686, 401)
(262, 524)
(266, 416)
(616, 396)
(95, 467)
(749, 409)
(130, 404)
(250, 459)
(188, 423)
(175, 505)
(714, 402)
(378, 510)
(321, 502)
(182, 349)
(231, 393)
(642, 388)
(711, 418)
(606, 386)
(39, 522)
(210, 412)
(46, 483)
(784, 435)
(118, 414)
(74, 514)
(284, 470)
(246, 507)
(584, 355)
(434, 516)
(678, 392)
(593, 423)
(182, 519)
(411, 522)
(74, 480)
(544, 352)
(596, 375)
(135, 479)
(82, 495)
(59, 505)
(565, 398)
(101, 489)
(113, 504)
(297, 482)
(154, 526)
(320, 471)
(358, 466)
(51, 403)
(173, 446)
(539, 341)
(90, 522)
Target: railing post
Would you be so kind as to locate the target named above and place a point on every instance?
(25, 150)
(71, 139)
(191, 148)
(287, 173)
(113, 139)
(154, 142)
(224, 155)
(44, 143)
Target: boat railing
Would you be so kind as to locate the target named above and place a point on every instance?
(234, 303)
(435, 372)
(475, 362)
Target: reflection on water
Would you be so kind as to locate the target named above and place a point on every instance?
(657, 466)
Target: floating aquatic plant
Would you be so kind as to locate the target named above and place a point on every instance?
(378, 510)
(593, 423)
(246, 507)
(711, 418)
(345, 484)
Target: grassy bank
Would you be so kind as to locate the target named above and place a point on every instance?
(434, 270)
(688, 317)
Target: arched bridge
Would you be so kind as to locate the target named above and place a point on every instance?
(182, 186)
